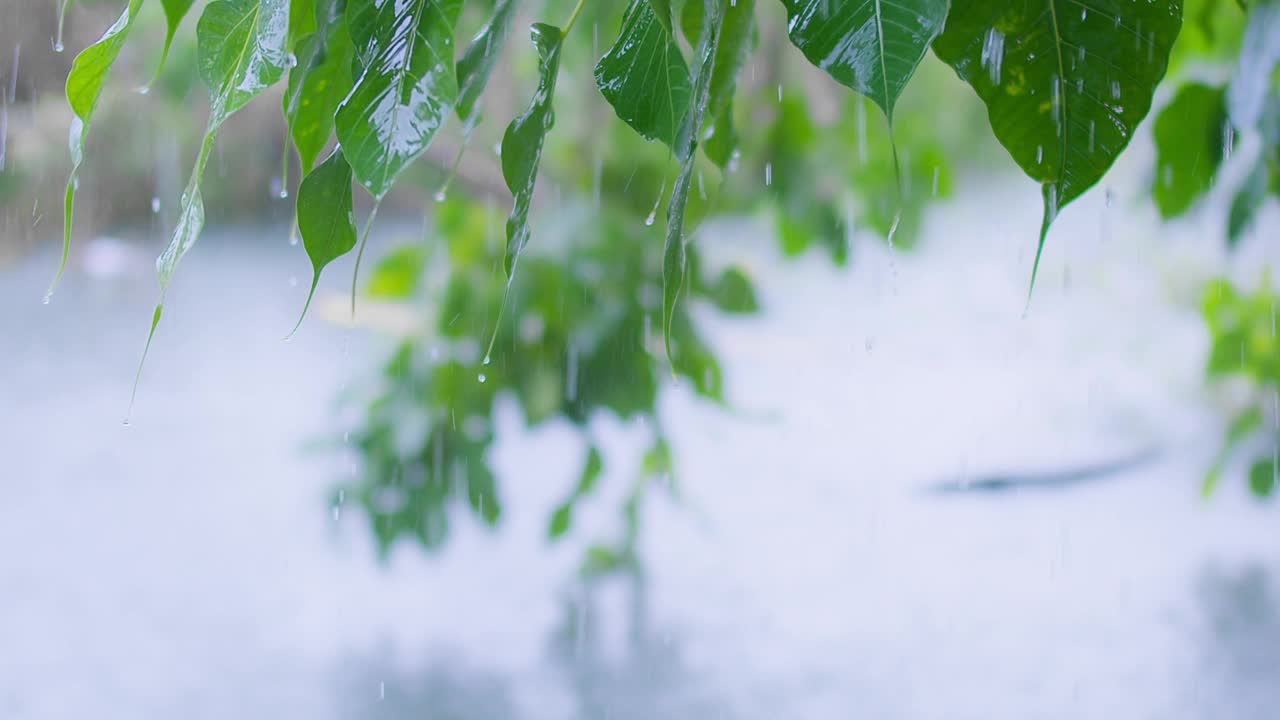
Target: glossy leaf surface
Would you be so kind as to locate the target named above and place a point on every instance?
(674, 253)
(476, 64)
(870, 46)
(644, 76)
(523, 140)
(326, 219)
(88, 74)
(407, 87)
(1065, 82)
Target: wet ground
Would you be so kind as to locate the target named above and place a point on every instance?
(188, 564)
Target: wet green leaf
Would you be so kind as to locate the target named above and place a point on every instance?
(1262, 478)
(1190, 136)
(1065, 83)
(736, 39)
(174, 12)
(476, 64)
(662, 10)
(326, 220)
(240, 52)
(644, 76)
(303, 20)
(673, 253)
(88, 73)
(870, 46)
(407, 88)
(522, 142)
(317, 84)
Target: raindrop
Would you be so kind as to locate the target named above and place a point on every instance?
(487, 359)
(290, 60)
(1039, 153)
(480, 377)
(993, 54)
(155, 205)
(768, 174)
(440, 195)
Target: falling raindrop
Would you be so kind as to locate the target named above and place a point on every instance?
(480, 377)
(440, 195)
(155, 205)
(993, 54)
(768, 174)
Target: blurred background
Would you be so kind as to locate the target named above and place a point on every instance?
(872, 482)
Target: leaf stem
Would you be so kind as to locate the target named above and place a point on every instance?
(573, 18)
(364, 237)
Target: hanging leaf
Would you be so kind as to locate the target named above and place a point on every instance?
(869, 46)
(406, 90)
(240, 52)
(326, 219)
(644, 76)
(673, 253)
(1259, 54)
(735, 48)
(174, 12)
(1065, 84)
(477, 62)
(1190, 134)
(89, 72)
(317, 84)
(522, 142)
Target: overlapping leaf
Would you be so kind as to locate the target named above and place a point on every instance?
(476, 64)
(523, 140)
(735, 47)
(241, 47)
(644, 76)
(686, 145)
(317, 84)
(174, 12)
(88, 73)
(870, 46)
(407, 87)
(326, 219)
(1065, 82)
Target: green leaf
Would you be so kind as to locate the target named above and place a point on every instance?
(1262, 478)
(1259, 54)
(1241, 426)
(1065, 83)
(663, 12)
(240, 52)
(560, 521)
(870, 46)
(88, 73)
(735, 48)
(1189, 135)
(317, 84)
(1246, 201)
(174, 12)
(303, 20)
(522, 143)
(326, 220)
(644, 76)
(674, 253)
(398, 275)
(732, 292)
(406, 90)
(477, 62)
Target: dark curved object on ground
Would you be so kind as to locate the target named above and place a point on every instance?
(1041, 481)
